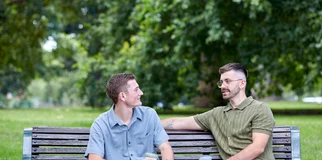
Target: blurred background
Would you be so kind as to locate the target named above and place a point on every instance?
(61, 53)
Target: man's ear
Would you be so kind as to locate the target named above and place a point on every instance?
(122, 96)
(243, 84)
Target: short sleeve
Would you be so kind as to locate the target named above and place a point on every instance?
(160, 135)
(203, 119)
(96, 141)
(263, 121)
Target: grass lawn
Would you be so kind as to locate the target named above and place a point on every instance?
(287, 105)
(16, 120)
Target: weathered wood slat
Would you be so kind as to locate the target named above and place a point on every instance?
(64, 150)
(60, 130)
(190, 137)
(285, 141)
(283, 156)
(59, 136)
(193, 143)
(277, 156)
(285, 149)
(281, 135)
(195, 150)
(59, 150)
(196, 157)
(173, 143)
(60, 142)
(42, 157)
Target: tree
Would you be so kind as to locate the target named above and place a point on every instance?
(174, 47)
(22, 28)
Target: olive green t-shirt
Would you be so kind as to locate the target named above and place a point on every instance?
(233, 128)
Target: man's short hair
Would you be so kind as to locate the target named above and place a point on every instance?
(235, 67)
(116, 84)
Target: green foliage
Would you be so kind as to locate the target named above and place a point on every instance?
(285, 47)
(22, 28)
(173, 47)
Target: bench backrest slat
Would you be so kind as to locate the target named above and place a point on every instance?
(64, 157)
(59, 143)
(64, 150)
(60, 136)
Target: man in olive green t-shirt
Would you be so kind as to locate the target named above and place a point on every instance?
(243, 128)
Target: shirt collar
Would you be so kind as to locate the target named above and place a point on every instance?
(241, 106)
(137, 113)
(113, 120)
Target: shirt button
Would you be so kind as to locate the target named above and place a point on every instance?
(131, 155)
(129, 142)
(228, 137)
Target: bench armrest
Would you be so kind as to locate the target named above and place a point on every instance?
(26, 147)
(295, 134)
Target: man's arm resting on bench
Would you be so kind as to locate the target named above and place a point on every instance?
(254, 149)
(178, 123)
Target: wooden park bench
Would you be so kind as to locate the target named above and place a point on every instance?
(70, 143)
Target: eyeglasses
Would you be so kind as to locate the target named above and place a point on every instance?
(227, 81)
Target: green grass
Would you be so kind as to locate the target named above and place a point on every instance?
(12, 123)
(287, 105)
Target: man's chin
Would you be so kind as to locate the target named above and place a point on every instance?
(225, 97)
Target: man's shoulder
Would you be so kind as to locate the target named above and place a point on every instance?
(219, 108)
(260, 105)
(257, 102)
(145, 110)
(102, 117)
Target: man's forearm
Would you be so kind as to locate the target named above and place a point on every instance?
(177, 123)
(167, 154)
(168, 123)
(166, 151)
(95, 157)
(250, 152)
